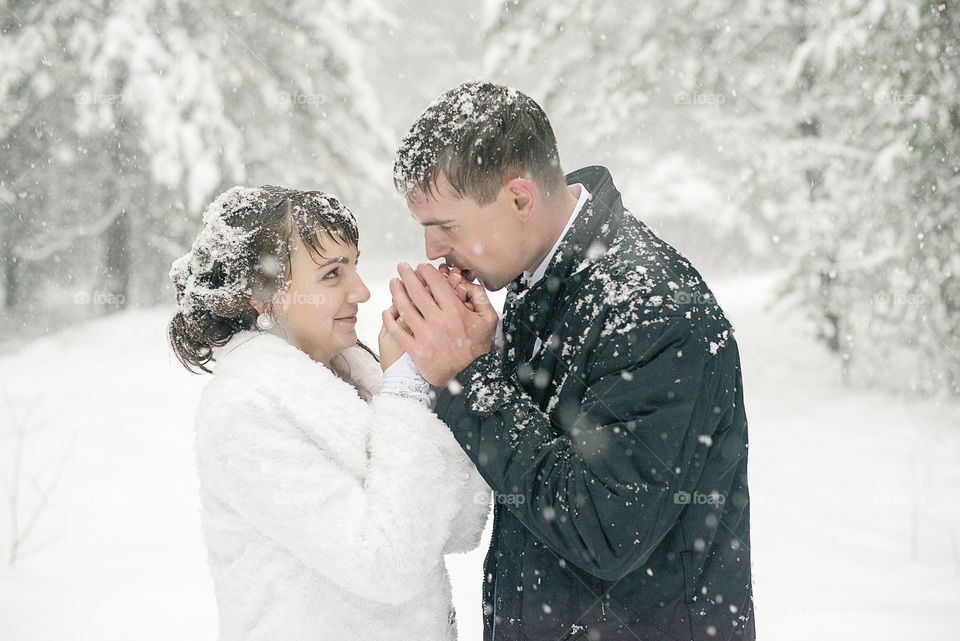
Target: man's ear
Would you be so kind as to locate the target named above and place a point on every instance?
(257, 305)
(523, 195)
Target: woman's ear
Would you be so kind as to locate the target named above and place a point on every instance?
(257, 305)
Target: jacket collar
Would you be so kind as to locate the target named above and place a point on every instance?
(527, 309)
(318, 401)
(587, 239)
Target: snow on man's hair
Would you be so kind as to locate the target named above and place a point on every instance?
(479, 135)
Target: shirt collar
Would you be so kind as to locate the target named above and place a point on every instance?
(529, 279)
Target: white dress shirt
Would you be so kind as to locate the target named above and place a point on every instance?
(583, 196)
(403, 378)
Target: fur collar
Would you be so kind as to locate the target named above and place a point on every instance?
(326, 408)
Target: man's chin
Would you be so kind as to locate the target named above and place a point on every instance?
(491, 286)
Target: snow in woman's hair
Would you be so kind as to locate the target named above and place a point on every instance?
(242, 252)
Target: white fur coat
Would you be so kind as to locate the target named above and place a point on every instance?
(327, 517)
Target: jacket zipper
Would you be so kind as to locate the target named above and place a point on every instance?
(493, 537)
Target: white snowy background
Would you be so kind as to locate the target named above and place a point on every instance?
(803, 155)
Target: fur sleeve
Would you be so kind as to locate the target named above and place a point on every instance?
(467, 526)
(377, 536)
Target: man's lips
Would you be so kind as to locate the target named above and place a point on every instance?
(348, 319)
(465, 273)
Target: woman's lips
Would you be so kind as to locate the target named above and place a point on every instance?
(347, 319)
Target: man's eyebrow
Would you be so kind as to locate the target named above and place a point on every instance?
(433, 223)
(338, 259)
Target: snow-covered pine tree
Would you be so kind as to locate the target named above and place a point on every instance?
(837, 122)
(156, 105)
(876, 262)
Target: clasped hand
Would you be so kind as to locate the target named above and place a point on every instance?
(441, 320)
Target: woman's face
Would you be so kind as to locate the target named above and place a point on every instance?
(318, 310)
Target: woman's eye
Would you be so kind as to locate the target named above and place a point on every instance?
(445, 228)
(333, 273)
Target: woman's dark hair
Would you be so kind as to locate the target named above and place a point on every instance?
(241, 253)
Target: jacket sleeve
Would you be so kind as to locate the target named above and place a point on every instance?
(599, 489)
(377, 536)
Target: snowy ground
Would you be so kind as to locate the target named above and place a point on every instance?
(856, 524)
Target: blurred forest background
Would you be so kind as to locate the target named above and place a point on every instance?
(821, 139)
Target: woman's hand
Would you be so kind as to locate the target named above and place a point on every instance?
(390, 349)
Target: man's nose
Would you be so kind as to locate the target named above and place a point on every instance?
(434, 247)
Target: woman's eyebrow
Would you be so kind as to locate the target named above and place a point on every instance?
(339, 259)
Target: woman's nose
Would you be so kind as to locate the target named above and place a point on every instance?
(359, 292)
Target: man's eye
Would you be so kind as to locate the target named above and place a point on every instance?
(333, 273)
(445, 228)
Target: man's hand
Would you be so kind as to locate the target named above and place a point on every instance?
(450, 323)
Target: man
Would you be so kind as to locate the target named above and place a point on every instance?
(610, 423)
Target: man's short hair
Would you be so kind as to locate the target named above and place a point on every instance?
(480, 135)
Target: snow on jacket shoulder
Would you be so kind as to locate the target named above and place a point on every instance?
(326, 516)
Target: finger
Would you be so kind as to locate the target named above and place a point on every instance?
(406, 341)
(460, 290)
(406, 310)
(472, 280)
(454, 280)
(393, 311)
(442, 293)
(396, 315)
(462, 294)
(416, 292)
(477, 295)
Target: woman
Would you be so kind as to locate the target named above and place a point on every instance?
(328, 503)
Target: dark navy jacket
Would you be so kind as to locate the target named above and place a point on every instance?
(618, 453)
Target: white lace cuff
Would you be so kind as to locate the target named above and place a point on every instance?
(403, 378)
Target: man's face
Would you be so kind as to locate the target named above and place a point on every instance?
(486, 243)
